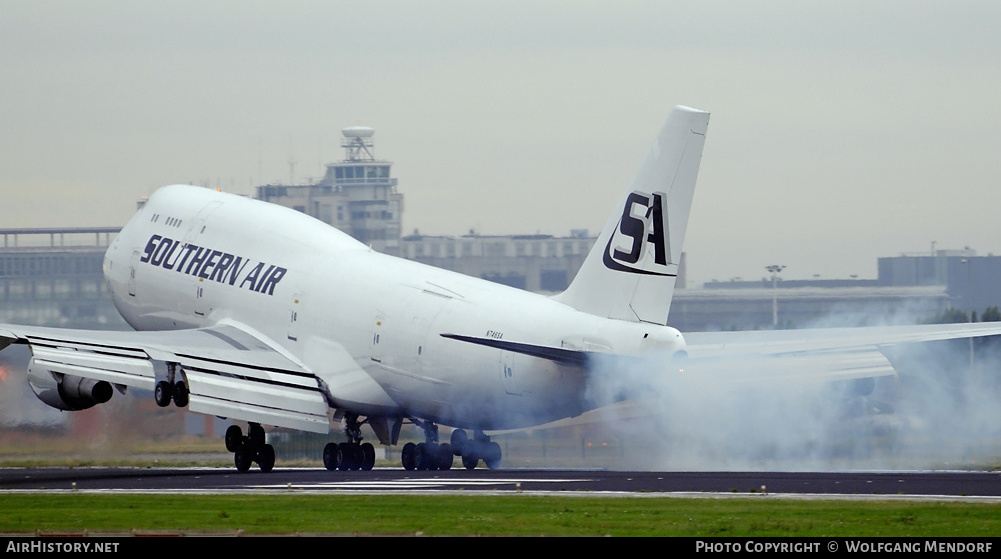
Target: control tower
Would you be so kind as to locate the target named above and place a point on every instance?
(356, 195)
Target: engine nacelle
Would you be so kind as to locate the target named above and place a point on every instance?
(67, 392)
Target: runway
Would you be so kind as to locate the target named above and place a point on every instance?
(976, 486)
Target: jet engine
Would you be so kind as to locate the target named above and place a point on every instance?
(66, 392)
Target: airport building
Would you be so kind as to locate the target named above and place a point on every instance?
(539, 263)
(356, 195)
(760, 306)
(359, 196)
(54, 277)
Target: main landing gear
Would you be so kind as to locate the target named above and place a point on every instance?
(428, 455)
(350, 455)
(251, 448)
(480, 447)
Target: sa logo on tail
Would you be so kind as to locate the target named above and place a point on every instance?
(640, 245)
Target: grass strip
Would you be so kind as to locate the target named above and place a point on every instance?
(516, 515)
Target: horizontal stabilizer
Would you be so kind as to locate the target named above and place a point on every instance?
(556, 354)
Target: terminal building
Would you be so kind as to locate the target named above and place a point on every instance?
(539, 263)
(54, 277)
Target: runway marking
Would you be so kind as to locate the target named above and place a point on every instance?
(411, 483)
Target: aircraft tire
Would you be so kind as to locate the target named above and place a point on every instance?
(408, 458)
(368, 456)
(266, 458)
(162, 393)
(444, 456)
(234, 438)
(243, 458)
(180, 394)
(357, 456)
(330, 456)
(422, 457)
(459, 439)
(256, 434)
(470, 462)
(345, 457)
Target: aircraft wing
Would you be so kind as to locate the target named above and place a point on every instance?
(824, 353)
(230, 372)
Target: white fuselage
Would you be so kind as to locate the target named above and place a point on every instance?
(193, 257)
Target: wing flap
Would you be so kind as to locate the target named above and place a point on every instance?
(270, 404)
(260, 414)
(251, 373)
(117, 369)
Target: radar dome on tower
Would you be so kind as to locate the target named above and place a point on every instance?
(358, 132)
(357, 142)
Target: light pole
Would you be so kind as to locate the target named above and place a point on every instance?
(969, 298)
(775, 269)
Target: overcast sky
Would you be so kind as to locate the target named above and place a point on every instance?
(840, 131)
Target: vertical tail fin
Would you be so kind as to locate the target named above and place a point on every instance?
(630, 272)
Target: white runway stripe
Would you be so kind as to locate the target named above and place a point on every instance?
(412, 483)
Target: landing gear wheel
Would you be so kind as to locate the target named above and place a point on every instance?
(162, 393)
(256, 435)
(459, 439)
(407, 456)
(345, 457)
(180, 394)
(330, 461)
(470, 462)
(444, 458)
(234, 438)
(421, 457)
(367, 456)
(243, 457)
(266, 458)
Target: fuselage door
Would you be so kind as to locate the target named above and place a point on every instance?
(508, 374)
(133, 264)
(378, 344)
(295, 310)
(201, 301)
